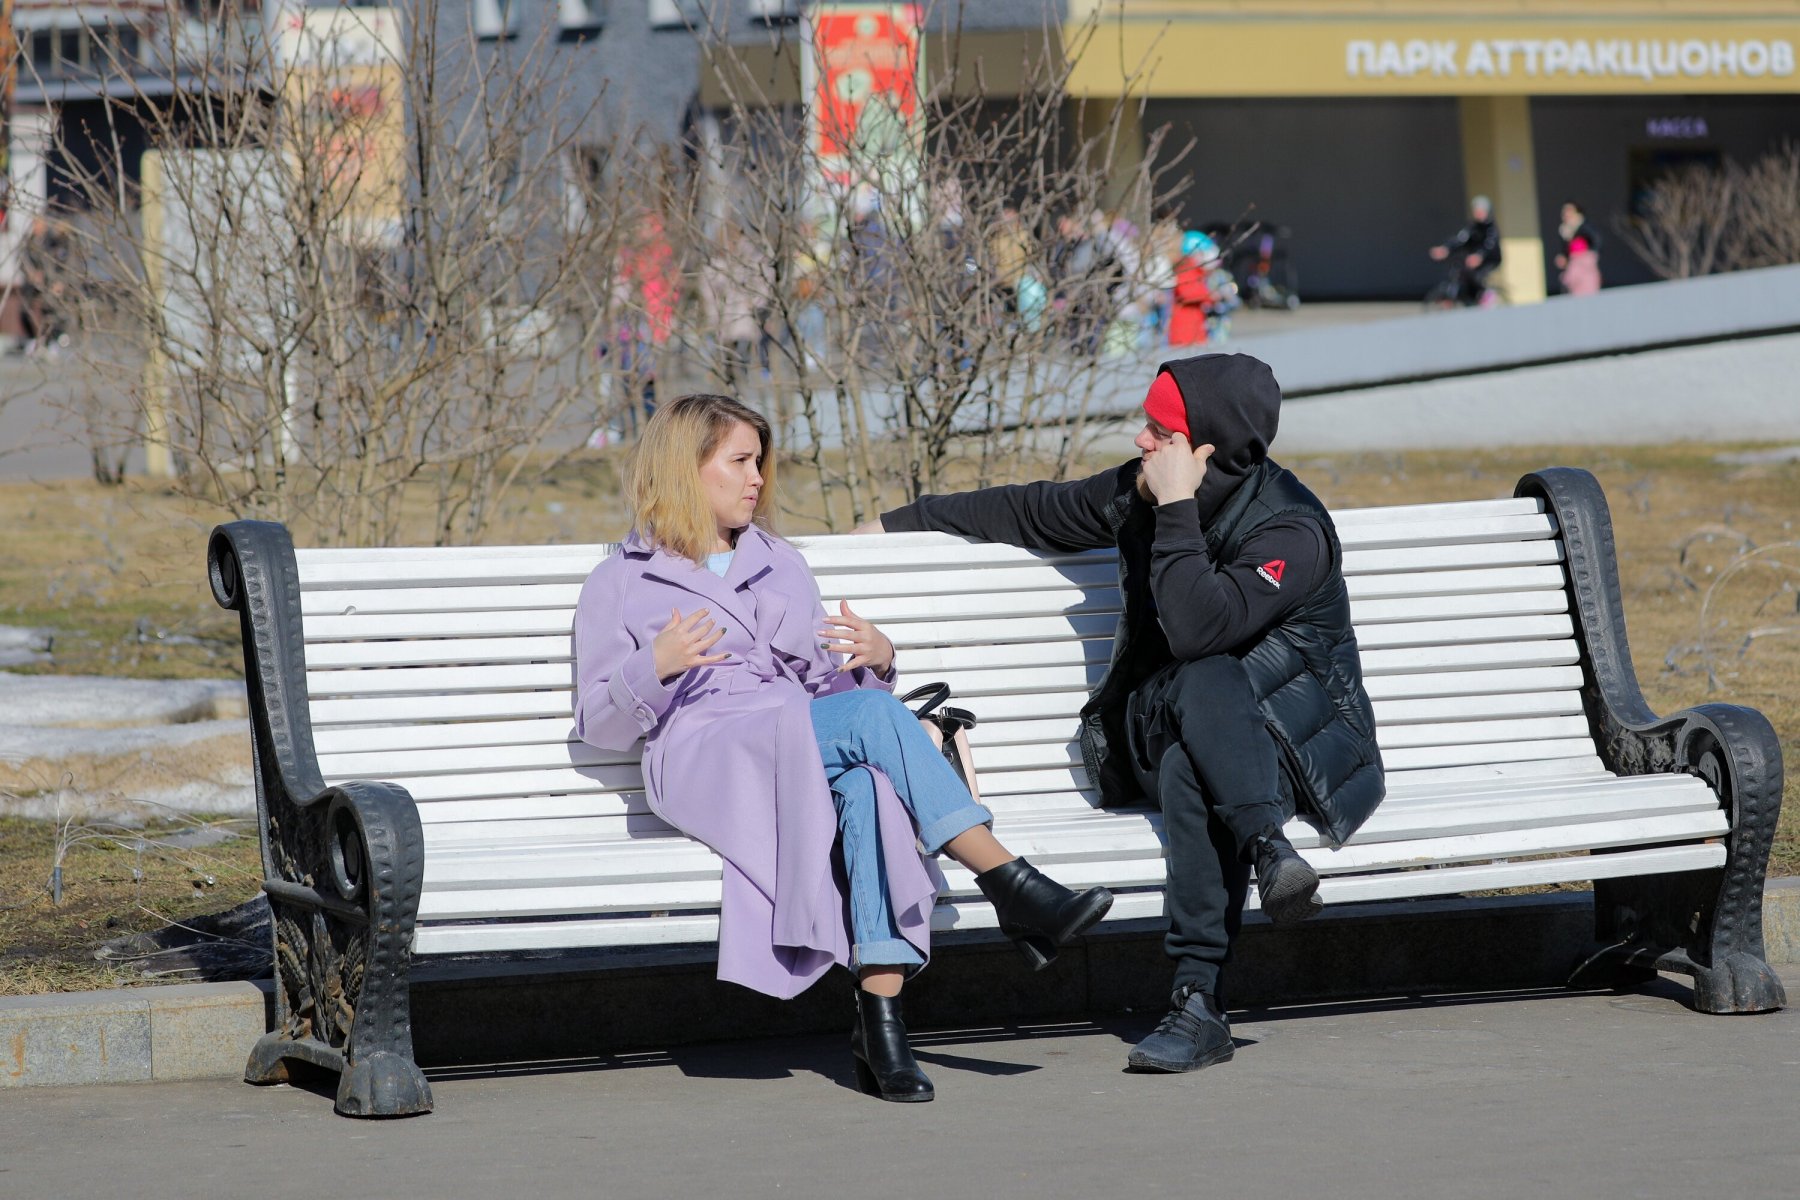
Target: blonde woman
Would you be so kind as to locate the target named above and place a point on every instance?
(704, 634)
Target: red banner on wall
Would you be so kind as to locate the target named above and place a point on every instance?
(862, 81)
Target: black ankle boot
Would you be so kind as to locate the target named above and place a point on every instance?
(1286, 884)
(1038, 913)
(884, 1062)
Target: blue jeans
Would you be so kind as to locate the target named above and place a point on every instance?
(870, 728)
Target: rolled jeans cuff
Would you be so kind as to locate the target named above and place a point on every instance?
(890, 952)
(933, 836)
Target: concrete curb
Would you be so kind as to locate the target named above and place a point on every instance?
(131, 1035)
(544, 1009)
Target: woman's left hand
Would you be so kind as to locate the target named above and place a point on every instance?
(857, 636)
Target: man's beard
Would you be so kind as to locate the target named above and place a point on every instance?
(1143, 489)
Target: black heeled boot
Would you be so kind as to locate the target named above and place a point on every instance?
(1038, 913)
(885, 1065)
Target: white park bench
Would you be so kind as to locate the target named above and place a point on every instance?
(1518, 752)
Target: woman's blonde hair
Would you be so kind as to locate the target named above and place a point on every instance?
(662, 481)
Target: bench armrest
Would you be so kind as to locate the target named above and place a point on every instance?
(1733, 748)
(344, 863)
(252, 570)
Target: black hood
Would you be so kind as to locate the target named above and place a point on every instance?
(1233, 402)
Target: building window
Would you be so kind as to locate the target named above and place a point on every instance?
(43, 51)
(674, 14)
(495, 20)
(580, 20)
(71, 46)
(774, 12)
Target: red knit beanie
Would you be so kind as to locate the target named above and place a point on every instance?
(1165, 406)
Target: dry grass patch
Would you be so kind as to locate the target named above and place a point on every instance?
(115, 881)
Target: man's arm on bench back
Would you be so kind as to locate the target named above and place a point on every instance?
(1061, 517)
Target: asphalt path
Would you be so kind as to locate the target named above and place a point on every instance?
(1542, 1094)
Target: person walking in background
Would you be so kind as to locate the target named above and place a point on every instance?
(1012, 252)
(1579, 262)
(1193, 299)
(732, 286)
(704, 635)
(1476, 250)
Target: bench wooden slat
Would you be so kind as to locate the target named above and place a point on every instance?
(1574, 785)
(1471, 754)
(555, 700)
(969, 682)
(1368, 613)
(1055, 744)
(531, 622)
(553, 851)
(1418, 817)
(1062, 597)
(884, 544)
(1434, 684)
(571, 564)
(1100, 578)
(920, 644)
(364, 739)
(1067, 788)
(953, 916)
(1454, 583)
(1040, 769)
(1385, 514)
(1124, 851)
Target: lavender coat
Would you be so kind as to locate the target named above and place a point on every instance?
(729, 754)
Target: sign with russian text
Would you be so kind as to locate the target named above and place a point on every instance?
(1555, 58)
(1543, 55)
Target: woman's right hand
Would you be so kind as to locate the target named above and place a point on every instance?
(684, 642)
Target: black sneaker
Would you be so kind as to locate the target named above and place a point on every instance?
(1194, 1034)
(1286, 883)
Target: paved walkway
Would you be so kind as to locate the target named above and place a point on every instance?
(1534, 1095)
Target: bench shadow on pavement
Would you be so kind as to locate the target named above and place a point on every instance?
(824, 1055)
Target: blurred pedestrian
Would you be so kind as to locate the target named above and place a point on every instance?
(1013, 251)
(1193, 298)
(1579, 263)
(732, 293)
(1476, 251)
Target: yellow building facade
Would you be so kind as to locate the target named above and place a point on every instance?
(1363, 126)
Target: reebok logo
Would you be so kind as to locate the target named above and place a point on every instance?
(1272, 571)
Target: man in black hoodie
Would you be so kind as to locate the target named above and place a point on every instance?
(1235, 695)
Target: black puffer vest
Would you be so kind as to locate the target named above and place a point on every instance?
(1305, 671)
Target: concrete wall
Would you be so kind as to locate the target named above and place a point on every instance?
(1366, 185)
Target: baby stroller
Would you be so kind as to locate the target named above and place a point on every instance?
(1257, 260)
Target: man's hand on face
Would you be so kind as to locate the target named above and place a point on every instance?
(1174, 470)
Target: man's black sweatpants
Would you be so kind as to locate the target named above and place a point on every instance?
(1201, 749)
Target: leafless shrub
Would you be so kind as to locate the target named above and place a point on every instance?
(1685, 224)
(1766, 231)
(355, 280)
(1748, 637)
(1700, 220)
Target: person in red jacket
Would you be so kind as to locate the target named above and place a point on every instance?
(1193, 290)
